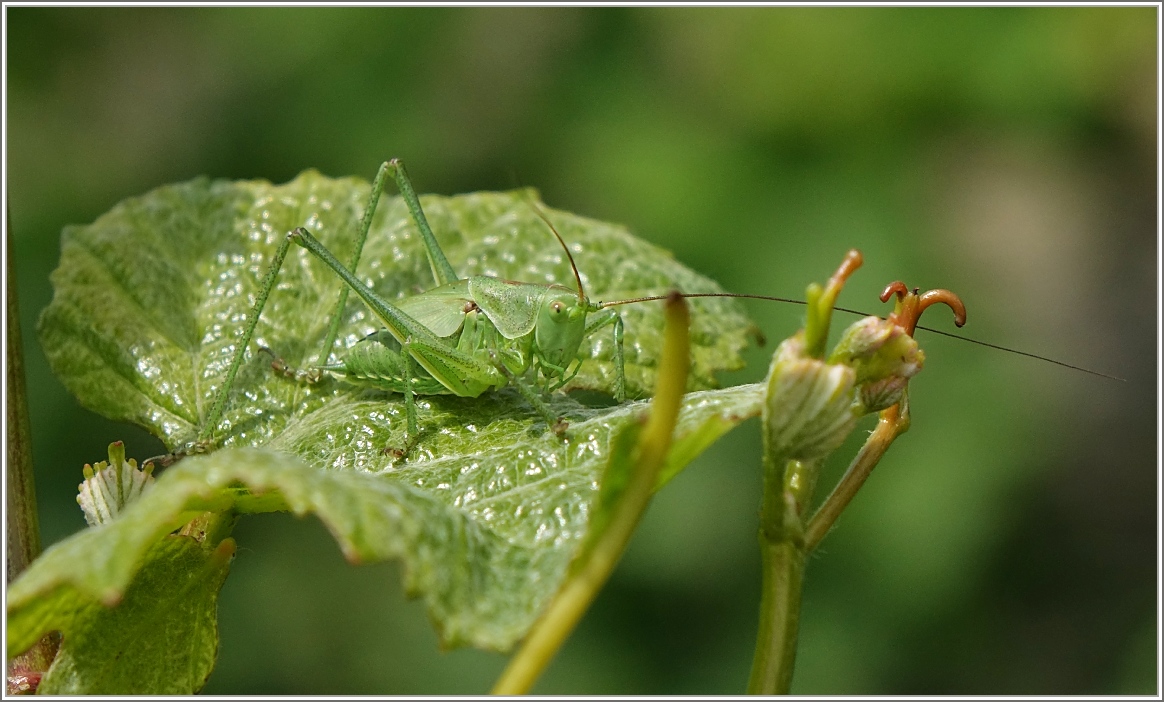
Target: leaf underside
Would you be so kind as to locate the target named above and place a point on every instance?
(161, 638)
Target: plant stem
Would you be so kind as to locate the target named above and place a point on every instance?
(23, 671)
(784, 547)
(23, 527)
(783, 577)
(590, 574)
(892, 423)
(782, 562)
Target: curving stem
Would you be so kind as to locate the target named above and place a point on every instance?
(910, 305)
(820, 302)
(893, 421)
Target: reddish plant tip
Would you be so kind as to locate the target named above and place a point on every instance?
(852, 262)
(896, 287)
(910, 304)
(947, 298)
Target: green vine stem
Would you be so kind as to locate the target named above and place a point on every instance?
(782, 580)
(782, 557)
(798, 377)
(875, 368)
(582, 586)
(796, 442)
(784, 548)
(23, 528)
(891, 424)
(24, 671)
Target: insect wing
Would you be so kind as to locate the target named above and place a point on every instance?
(441, 309)
(512, 307)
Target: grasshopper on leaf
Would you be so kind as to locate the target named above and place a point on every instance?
(466, 335)
(463, 337)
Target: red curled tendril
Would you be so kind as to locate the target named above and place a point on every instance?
(910, 305)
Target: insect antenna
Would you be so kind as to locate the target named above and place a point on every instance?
(581, 293)
(866, 314)
(1021, 353)
(603, 305)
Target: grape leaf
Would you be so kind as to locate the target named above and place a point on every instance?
(485, 532)
(149, 299)
(489, 508)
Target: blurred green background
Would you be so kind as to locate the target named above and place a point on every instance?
(1007, 544)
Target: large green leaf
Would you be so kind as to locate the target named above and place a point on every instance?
(149, 299)
(488, 510)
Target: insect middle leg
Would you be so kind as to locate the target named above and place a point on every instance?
(553, 421)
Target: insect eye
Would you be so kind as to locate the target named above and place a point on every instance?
(555, 307)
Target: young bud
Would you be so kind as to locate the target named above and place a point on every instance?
(884, 357)
(877, 395)
(111, 487)
(810, 404)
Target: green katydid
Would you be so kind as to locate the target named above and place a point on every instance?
(463, 337)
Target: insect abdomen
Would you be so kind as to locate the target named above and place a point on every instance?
(377, 362)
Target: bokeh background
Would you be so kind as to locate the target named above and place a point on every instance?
(1007, 544)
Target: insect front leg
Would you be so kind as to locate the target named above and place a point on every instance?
(554, 422)
(600, 320)
(567, 376)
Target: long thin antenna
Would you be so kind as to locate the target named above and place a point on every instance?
(751, 297)
(867, 314)
(577, 277)
(1021, 353)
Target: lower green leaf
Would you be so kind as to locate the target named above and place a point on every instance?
(161, 639)
(485, 532)
(490, 507)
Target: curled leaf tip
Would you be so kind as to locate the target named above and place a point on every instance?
(895, 288)
(821, 301)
